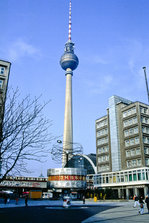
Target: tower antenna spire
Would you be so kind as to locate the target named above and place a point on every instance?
(69, 32)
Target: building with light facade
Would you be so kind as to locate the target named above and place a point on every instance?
(122, 148)
(4, 77)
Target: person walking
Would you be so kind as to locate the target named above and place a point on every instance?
(83, 198)
(5, 200)
(17, 199)
(147, 202)
(136, 201)
(141, 202)
(26, 201)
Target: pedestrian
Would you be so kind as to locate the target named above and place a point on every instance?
(136, 201)
(17, 199)
(141, 202)
(83, 198)
(5, 200)
(26, 201)
(147, 202)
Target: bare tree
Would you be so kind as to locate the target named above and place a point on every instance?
(57, 151)
(25, 133)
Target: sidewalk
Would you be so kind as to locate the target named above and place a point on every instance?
(50, 203)
(123, 214)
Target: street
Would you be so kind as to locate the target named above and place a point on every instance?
(46, 214)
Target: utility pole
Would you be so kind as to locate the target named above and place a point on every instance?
(144, 68)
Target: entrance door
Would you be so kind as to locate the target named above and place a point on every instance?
(141, 192)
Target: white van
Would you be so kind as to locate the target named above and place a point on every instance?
(47, 195)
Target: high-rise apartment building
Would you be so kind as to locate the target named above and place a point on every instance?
(122, 147)
(4, 76)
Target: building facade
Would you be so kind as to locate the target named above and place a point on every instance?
(4, 77)
(122, 144)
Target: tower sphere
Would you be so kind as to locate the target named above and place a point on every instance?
(69, 59)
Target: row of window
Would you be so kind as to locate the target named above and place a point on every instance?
(102, 141)
(103, 168)
(143, 110)
(134, 163)
(131, 131)
(132, 141)
(144, 120)
(27, 178)
(146, 150)
(101, 123)
(133, 152)
(102, 132)
(119, 178)
(130, 121)
(145, 129)
(1, 84)
(102, 159)
(2, 70)
(103, 149)
(129, 112)
(146, 139)
(147, 161)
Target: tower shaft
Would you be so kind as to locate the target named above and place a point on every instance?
(68, 119)
(69, 62)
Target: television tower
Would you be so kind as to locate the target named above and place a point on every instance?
(69, 62)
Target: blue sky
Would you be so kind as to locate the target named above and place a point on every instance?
(111, 41)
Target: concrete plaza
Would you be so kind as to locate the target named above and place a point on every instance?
(120, 211)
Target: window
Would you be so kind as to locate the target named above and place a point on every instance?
(130, 177)
(126, 143)
(131, 131)
(146, 150)
(134, 162)
(139, 176)
(126, 178)
(129, 112)
(132, 141)
(139, 162)
(103, 149)
(102, 132)
(101, 123)
(1, 84)
(102, 141)
(145, 129)
(146, 139)
(143, 110)
(137, 140)
(144, 120)
(138, 151)
(2, 70)
(126, 133)
(147, 161)
(133, 152)
(130, 121)
(134, 176)
(129, 163)
(128, 154)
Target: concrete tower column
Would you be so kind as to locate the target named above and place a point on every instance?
(69, 62)
(68, 119)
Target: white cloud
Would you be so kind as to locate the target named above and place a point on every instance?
(21, 49)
